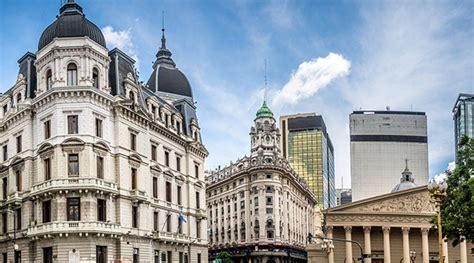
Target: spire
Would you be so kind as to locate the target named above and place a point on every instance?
(265, 88)
(70, 7)
(265, 111)
(163, 38)
(163, 55)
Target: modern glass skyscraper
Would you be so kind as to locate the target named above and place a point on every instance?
(308, 148)
(463, 115)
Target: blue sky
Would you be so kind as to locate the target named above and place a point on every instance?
(328, 57)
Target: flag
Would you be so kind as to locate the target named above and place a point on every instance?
(182, 218)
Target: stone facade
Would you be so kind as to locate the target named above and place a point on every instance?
(259, 209)
(95, 170)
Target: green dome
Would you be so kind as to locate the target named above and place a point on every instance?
(264, 111)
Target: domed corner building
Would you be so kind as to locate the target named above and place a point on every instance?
(96, 166)
(259, 208)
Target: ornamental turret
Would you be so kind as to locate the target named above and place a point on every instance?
(264, 135)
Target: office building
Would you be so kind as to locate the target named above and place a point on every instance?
(95, 166)
(463, 115)
(259, 208)
(307, 146)
(382, 143)
(343, 196)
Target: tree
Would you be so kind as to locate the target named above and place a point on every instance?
(224, 257)
(457, 208)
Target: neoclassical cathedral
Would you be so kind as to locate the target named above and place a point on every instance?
(96, 166)
(259, 209)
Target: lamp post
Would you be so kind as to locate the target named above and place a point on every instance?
(412, 256)
(328, 246)
(438, 191)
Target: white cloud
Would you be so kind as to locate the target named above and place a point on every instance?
(121, 40)
(312, 76)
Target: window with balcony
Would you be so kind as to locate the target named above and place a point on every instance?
(48, 255)
(18, 144)
(5, 152)
(101, 254)
(100, 167)
(49, 79)
(134, 178)
(168, 223)
(155, 221)
(179, 194)
(73, 164)
(47, 129)
(46, 211)
(198, 228)
(135, 216)
(98, 127)
(73, 209)
(101, 210)
(4, 222)
(18, 180)
(168, 191)
(71, 74)
(133, 141)
(153, 152)
(180, 226)
(72, 124)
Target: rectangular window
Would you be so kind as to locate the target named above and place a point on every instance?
(101, 254)
(179, 194)
(47, 169)
(101, 210)
(153, 152)
(4, 222)
(18, 218)
(72, 124)
(198, 200)
(135, 216)
(100, 167)
(168, 191)
(47, 129)
(198, 228)
(269, 200)
(5, 152)
(196, 170)
(269, 210)
(133, 141)
(134, 178)
(136, 253)
(157, 256)
(256, 201)
(18, 144)
(242, 204)
(98, 128)
(168, 223)
(180, 226)
(155, 221)
(5, 188)
(73, 165)
(48, 255)
(73, 209)
(199, 258)
(5, 109)
(18, 181)
(167, 158)
(155, 187)
(180, 257)
(178, 163)
(47, 211)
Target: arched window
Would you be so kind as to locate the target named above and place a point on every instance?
(131, 96)
(95, 78)
(71, 74)
(269, 223)
(18, 98)
(49, 79)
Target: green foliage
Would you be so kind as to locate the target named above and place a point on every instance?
(224, 257)
(457, 208)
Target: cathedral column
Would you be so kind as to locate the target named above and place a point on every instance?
(348, 230)
(331, 253)
(425, 246)
(406, 244)
(386, 245)
(463, 247)
(367, 244)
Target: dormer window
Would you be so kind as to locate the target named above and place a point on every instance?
(49, 79)
(131, 96)
(95, 78)
(18, 98)
(71, 74)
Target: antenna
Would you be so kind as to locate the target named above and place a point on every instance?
(163, 22)
(265, 88)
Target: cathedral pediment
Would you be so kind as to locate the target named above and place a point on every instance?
(412, 201)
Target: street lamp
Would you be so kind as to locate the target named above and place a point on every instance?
(438, 191)
(412, 256)
(327, 245)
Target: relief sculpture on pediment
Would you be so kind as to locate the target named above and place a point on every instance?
(417, 203)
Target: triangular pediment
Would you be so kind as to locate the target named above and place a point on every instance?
(412, 201)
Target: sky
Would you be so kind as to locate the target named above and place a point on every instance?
(328, 57)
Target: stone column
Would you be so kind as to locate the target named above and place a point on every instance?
(367, 244)
(348, 230)
(425, 246)
(406, 244)
(445, 251)
(463, 247)
(386, 245)
(331, 254)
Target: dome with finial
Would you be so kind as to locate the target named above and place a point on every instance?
(264, 111)
(71, 22)
(406, 182)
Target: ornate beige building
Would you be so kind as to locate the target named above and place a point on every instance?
(94, 165)
(390, 227)
(259, 209)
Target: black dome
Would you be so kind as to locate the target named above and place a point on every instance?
(71, 23)
(169, 80)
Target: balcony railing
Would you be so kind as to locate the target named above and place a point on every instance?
(138, 194)
(64, 227)
(77, 183)
(171, 237)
